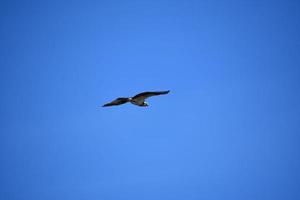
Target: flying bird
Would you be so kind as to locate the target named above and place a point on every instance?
(138, 99)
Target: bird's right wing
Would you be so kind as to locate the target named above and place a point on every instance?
(145, 95)
(117, 101)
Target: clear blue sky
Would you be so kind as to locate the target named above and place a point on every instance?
(229, 129)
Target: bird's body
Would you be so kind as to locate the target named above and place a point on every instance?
(138, 99)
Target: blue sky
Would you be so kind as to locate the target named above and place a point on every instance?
(229, 129)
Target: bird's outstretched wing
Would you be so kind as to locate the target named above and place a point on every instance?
(144, 95)
(117, 101)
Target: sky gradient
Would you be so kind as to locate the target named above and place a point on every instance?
(229, 128)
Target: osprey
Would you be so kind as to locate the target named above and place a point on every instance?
(138, 99)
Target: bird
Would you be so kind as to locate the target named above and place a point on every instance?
(138, 100)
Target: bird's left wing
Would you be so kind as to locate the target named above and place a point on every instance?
(117, 101)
